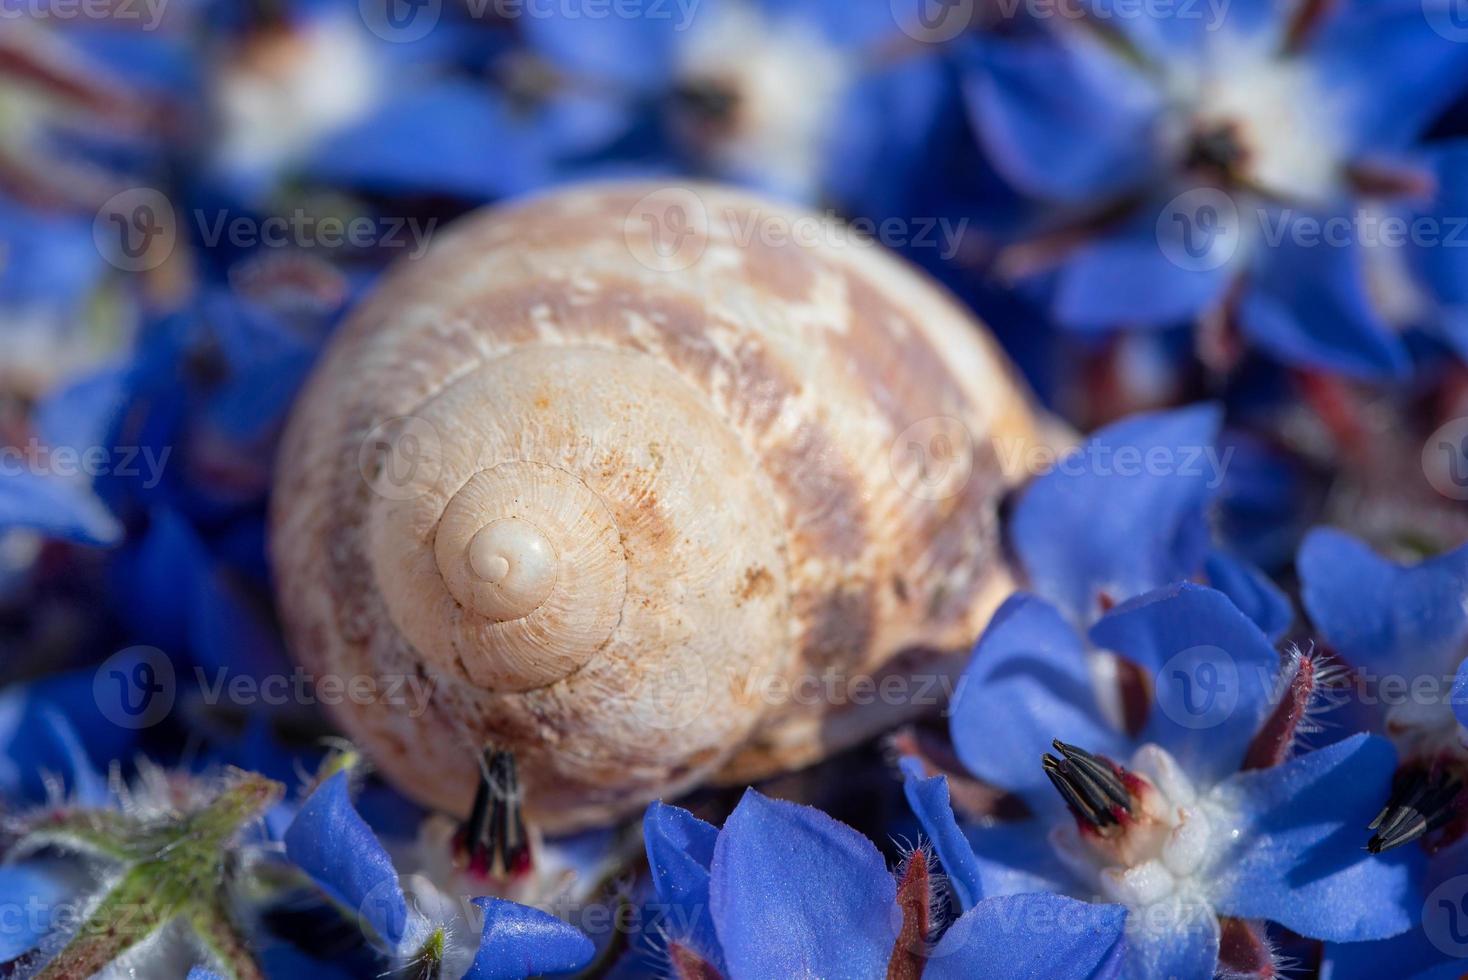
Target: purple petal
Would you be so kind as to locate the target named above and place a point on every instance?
(1032, 937)
(332, 844)
(1122, 515)
(1028, 683)
(519, 942)
(795, 893)
(1213, 673)
(929, 800)
(1300, 858)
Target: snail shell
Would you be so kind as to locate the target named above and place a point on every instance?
(645, 492)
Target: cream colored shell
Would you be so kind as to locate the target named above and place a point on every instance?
(650, 486)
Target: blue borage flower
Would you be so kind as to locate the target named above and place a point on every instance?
(1129, 512)
(1403, 629)
(785, 891)
(334, 845)
(1181, 157)
(709, 89)
(1201, 822)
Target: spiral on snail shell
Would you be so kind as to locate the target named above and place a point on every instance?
(616, 471)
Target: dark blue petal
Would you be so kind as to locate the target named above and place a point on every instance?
(1032, 937)
(1213, 674)
(1411, 956)
(1300, 859)
(519, 942)
(54, 507)
(82, 412)
(928, 798)
(1308, 304)
(680, 849)
(635, 52)
(1405, 621)
(1028, 683)
(1129, 278)
(1063, 117)
(1122, 515)
(332, 844)
(1015, 858)
(1252, 591)
(1384, 113)
(795, 893)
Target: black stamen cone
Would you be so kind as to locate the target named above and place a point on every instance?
(494, 836)
(1090, 785)
(1422, 801)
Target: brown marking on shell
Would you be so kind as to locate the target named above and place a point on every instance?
(839, 626)
(908, 378)
(825, 503)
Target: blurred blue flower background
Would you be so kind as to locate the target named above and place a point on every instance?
(1228, 239)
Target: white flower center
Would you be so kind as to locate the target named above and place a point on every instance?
(1283, 119)
(787, 82)
(1161, 858)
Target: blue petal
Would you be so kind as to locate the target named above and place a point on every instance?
(453, 138)
(1172, 940)
(1016, 858)
(636, 52)
(1308, 304)
(47, 896)
(928, 798)
(54, 507)
(82, 412)
(1441, 260)
(1410, 955)
(39, 735)
(1028, 683)
(1063, 117)
(1299, 859)
(1127, 278)
(1124, 514)
(519, 942)
(1032, 937)
(1252, 591)
(1383, 113)
(1383, 617)
(332, 844)
(199, 973)
(795, 893)
(680, 849)
(1213, 674)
